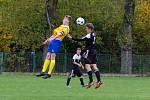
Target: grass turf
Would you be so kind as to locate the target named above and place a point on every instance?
(28, 87)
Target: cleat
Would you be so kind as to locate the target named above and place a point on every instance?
(73, 76)
(46, 76)
(68, 86)
(41, 74)
(90, 85)
(82, 86)
(98, 84)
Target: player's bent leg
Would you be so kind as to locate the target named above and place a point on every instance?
(97, 74)
(89, 71)
(80, 75)
(45, 65)
(69, 78)
(68, 81)
(81, 81)
(52, 64)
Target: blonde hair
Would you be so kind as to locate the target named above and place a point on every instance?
(69, 17)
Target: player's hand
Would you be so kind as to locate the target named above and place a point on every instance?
(45, 42)
(50, 39)
(69, 36)
(82, 67)
(79, 65)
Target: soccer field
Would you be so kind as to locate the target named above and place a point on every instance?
(28, 87)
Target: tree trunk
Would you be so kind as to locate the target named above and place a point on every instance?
(50, 7)
(126, 50)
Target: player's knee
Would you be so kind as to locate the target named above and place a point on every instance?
(69, 76)
(81, 76)
(88, 68)
(53, 56)
(48, 56)
(95, 70)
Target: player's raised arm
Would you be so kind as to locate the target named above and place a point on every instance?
(69, 36)
(46, 41)
(52, 38)
(81, 65)
(77, 39)
(81, 39)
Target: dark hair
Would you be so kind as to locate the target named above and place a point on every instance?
(90, 26)
(69, 17)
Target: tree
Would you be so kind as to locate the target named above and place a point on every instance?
(141, 29)
(50, 10)
(126, 50)
(24, 20)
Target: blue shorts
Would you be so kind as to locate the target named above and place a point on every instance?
(54, 46)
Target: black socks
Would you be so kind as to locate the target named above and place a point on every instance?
(97, 74)
(90, 77)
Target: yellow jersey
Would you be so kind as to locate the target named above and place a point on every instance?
(63, 29)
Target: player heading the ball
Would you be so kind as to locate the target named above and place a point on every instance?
(55, 43)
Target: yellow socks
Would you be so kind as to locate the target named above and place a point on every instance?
(52, 64)
(46, 63)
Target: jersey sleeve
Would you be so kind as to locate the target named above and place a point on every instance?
(79, 40)
(82, 39)
(74, 58)
(80, 59)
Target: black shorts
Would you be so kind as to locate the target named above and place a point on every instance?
(75, 72)
(90, 57)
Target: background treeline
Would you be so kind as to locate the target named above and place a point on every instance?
(23, 24)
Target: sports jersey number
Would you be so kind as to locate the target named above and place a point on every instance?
(94, 40)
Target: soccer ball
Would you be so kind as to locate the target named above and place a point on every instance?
(80, 21)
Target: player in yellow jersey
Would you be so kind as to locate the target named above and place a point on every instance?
(55, 43)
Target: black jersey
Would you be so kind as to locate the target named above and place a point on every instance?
(90, 40)
(89, 53)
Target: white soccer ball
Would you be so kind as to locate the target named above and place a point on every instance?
(80, 21)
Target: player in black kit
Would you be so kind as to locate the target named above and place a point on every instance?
(76, 61)
(90, 54)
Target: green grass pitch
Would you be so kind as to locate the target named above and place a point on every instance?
(28, 87)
